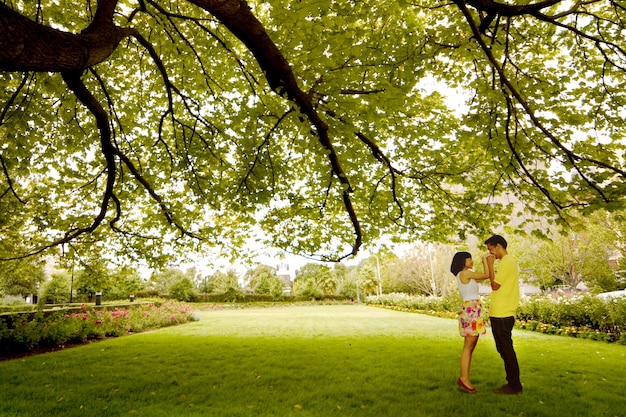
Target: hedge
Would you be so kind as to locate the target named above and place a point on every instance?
(585, 316)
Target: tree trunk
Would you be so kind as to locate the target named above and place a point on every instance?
(26, 45)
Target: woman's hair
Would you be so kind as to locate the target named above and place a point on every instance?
(458, 262)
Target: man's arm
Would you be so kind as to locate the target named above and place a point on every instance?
(492, 274)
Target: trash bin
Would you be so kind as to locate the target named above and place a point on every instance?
(98, 298)
(132, 298)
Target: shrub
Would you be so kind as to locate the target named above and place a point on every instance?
(446, 306)
(585, 317)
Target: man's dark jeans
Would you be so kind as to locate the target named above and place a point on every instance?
(501, 329)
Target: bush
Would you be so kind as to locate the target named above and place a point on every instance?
(445, 306)
(585, 317)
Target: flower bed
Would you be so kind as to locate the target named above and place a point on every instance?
(46, 329)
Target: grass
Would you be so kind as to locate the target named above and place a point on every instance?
(312, 361)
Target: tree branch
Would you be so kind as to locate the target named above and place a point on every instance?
(29, 46)
(503, 9)
(571, 156)
(9, 181)
(74, 82)
(238, 18)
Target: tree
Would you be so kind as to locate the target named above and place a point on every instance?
(424, 269)
(163, 280)
(369, 275)
(226, 283)
(314, 280)
(264, 280)
(125, 281)
(92, 277)
(175, 283)
(183, 290)
(580, 256)
(346, 279)
(145, 127)
(21, 277)
(57, 289)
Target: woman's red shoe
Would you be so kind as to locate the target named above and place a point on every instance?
(465, 387)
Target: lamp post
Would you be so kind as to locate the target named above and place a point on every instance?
(433, 285)
(72, 283)
(380, 282)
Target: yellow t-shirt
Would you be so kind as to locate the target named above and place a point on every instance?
(504, 300)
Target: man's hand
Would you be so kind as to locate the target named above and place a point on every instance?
(490, 259)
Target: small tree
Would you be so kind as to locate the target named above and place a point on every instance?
(57, 289)
(162, 281)
(93, 277)
(575, 257)
(124, 282)
(369, 279)
(227, 283)
(21, 277)
(424, 269)
(313, 280)
(263, 280)
(183, 290)
(175, 283)
(346, 280)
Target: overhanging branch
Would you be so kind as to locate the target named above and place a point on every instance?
(26, 45)
(238, 18)
(573, 158)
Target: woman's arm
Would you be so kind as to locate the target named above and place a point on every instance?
(476, 276)
(468, 274)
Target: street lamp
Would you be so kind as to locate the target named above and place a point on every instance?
(433, 285)
(380, 282)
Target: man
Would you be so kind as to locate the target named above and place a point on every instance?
(504, 301)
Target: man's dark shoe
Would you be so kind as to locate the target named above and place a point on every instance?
(507, 390)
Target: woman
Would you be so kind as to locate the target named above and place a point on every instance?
(472, 322)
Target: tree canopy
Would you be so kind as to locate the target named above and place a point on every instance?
(146, 126)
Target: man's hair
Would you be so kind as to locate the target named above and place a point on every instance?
(495, 239)
(458, 262)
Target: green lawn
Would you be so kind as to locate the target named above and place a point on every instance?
(312, 361)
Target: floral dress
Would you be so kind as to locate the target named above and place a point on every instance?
(472, 316)
(472, 319)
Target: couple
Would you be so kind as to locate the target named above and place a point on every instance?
(504, 302)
